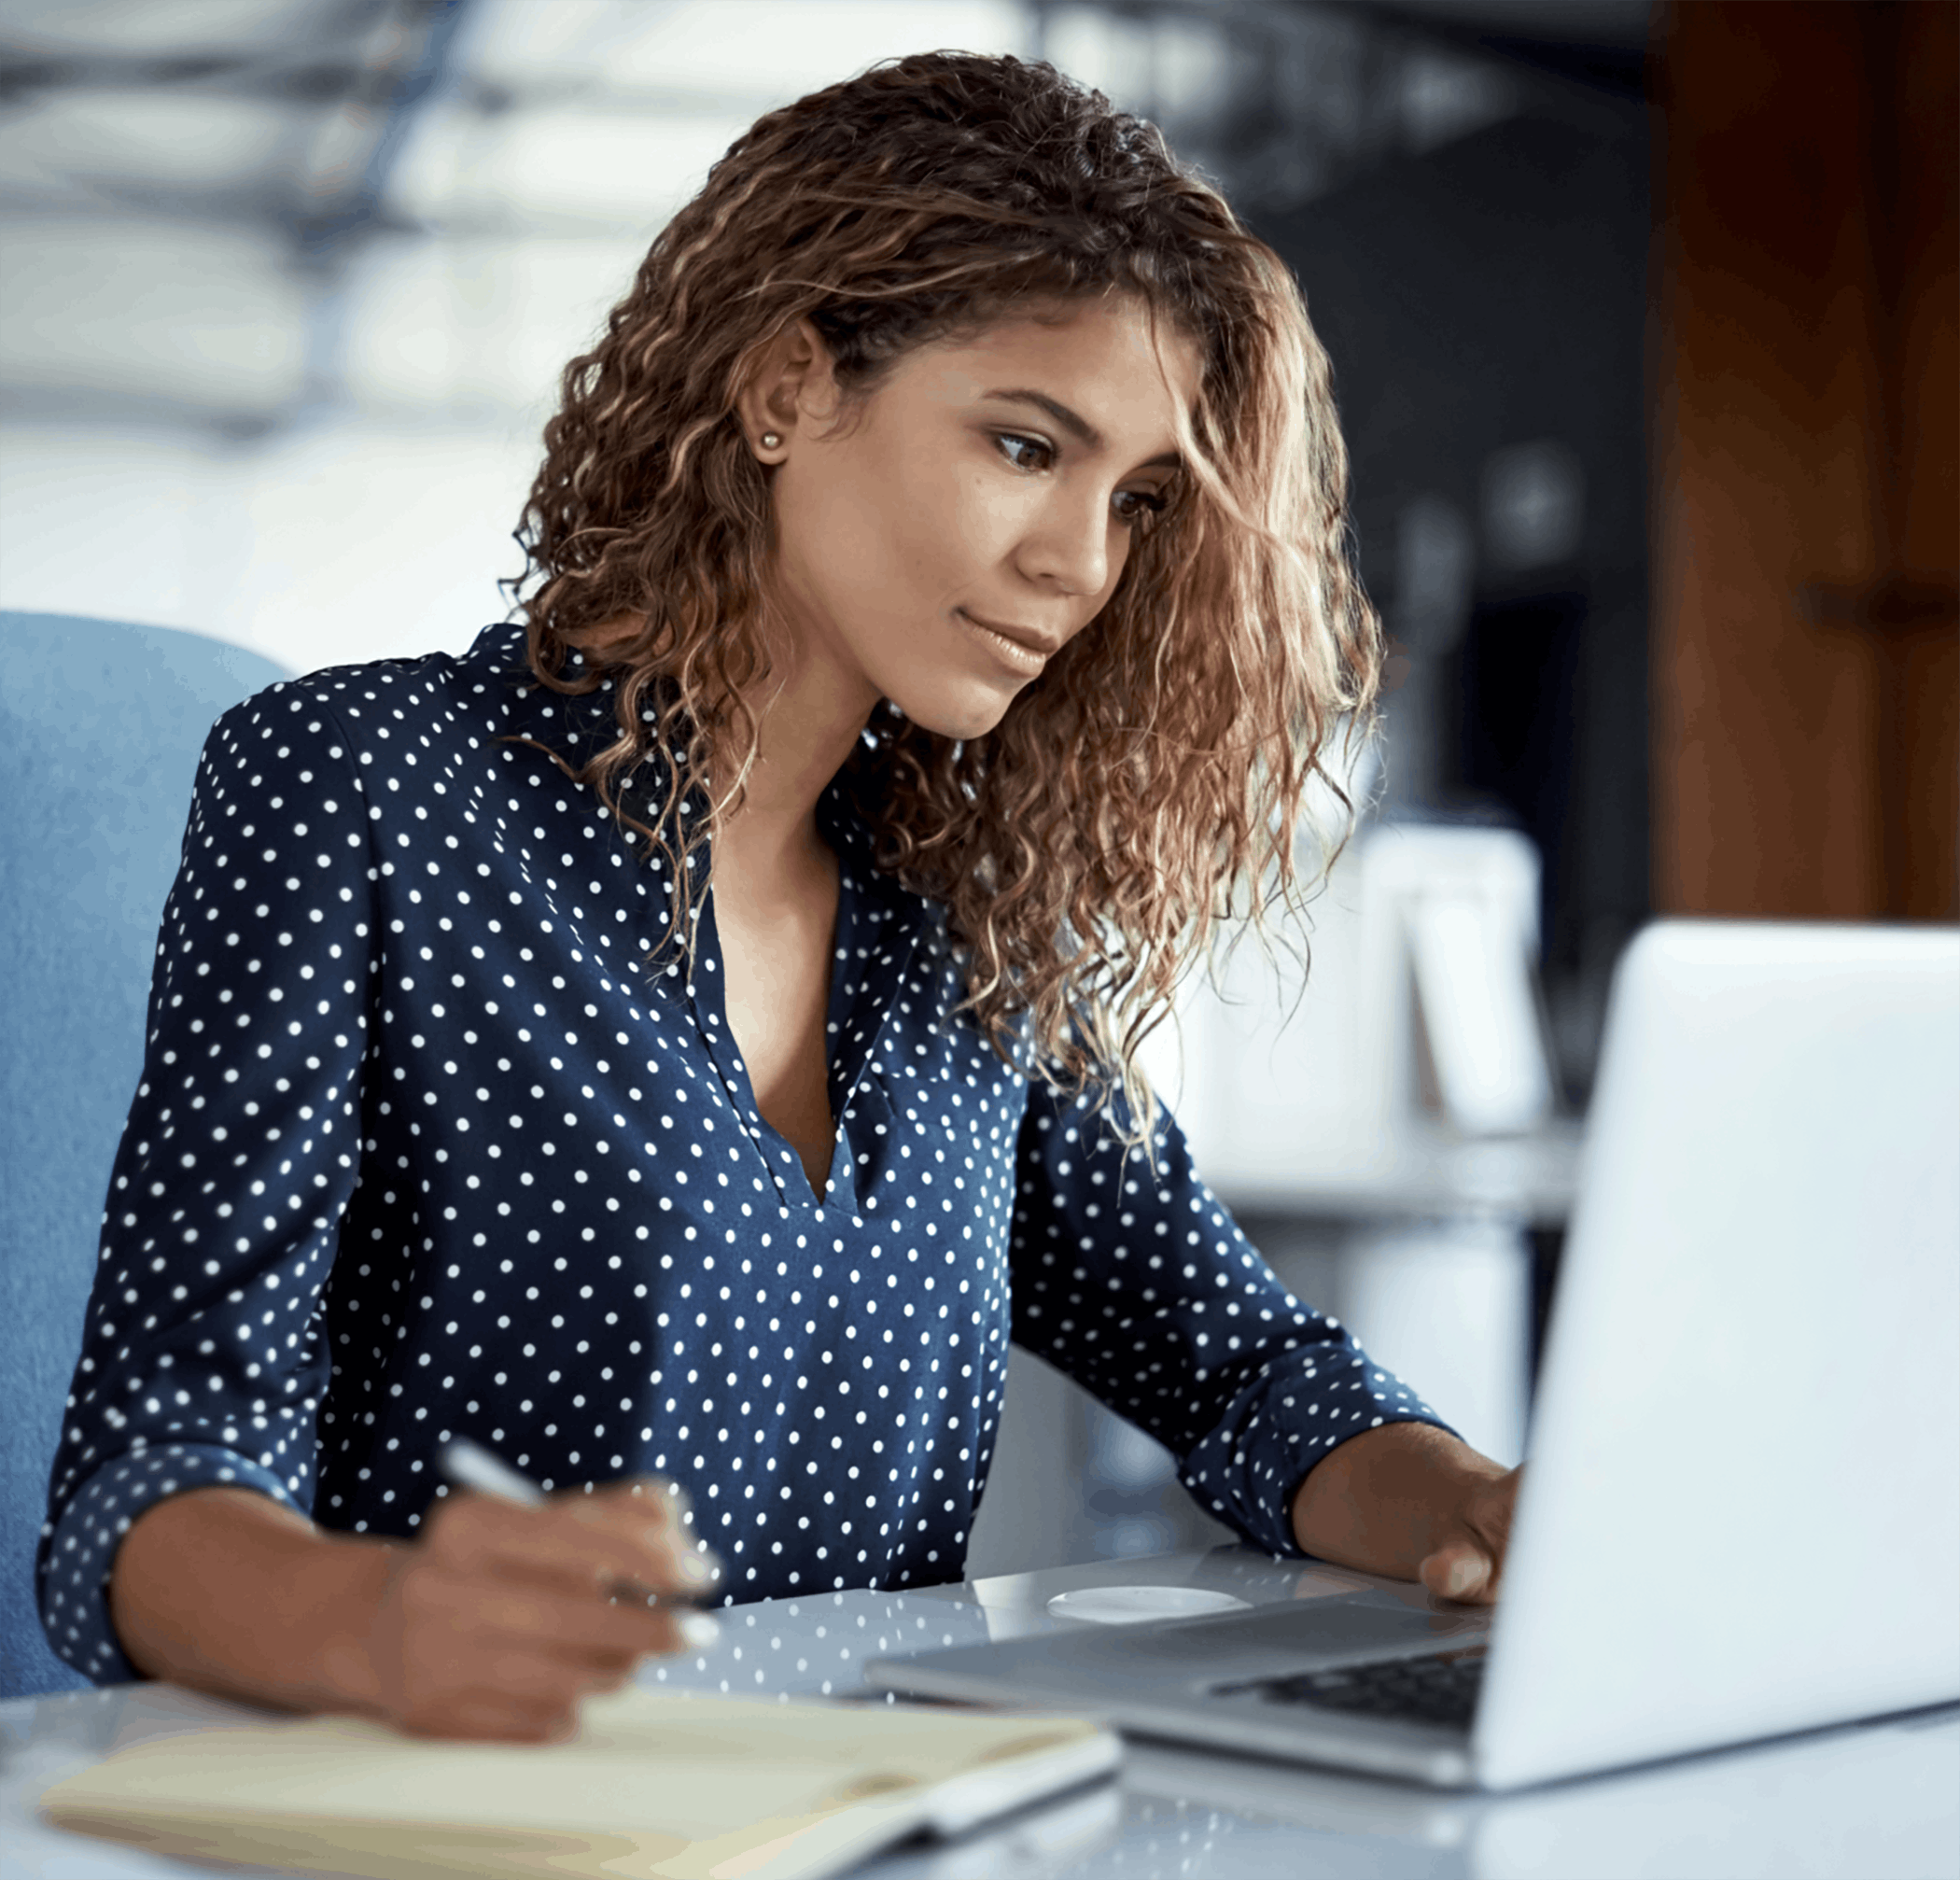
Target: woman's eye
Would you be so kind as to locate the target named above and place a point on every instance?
(1133, 505)
(1029, 454)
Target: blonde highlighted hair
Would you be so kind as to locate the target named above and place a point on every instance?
(1150, 785)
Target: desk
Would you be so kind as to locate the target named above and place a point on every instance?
(1880, 1802)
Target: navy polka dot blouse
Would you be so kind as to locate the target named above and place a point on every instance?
(423, 1147)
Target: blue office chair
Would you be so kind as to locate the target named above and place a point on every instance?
(100, 727)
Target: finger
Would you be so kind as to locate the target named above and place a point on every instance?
(1493, 1506)
(1489, 1518)
(492, 1719)
(651, 1491)
(517, 1674)
(585, 1566)
(631, 1508)
(460, 1617)
(580, 1549)
(641, 1510)
(1460, 1571)
(595, 1632)
(479, 1607)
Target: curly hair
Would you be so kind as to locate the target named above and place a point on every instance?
(1149, 788)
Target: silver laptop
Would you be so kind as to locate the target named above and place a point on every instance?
(1741, 1507)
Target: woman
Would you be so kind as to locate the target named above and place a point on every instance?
(683, 1038)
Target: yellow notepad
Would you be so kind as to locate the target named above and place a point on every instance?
(657, 1786)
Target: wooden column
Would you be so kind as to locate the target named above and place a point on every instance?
(1806, 452)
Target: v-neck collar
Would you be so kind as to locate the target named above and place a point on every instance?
(880, 926)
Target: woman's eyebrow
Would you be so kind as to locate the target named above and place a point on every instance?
(1078, 426)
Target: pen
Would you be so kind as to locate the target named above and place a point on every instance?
(469, 1465)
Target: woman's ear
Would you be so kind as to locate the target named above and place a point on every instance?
(791, 384)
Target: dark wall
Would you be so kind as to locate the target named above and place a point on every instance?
(1489, 294)
(1808, 462)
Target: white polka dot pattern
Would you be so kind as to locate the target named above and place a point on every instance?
(423, 1147)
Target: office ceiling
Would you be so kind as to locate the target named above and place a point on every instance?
(295, 110)
(247, 164)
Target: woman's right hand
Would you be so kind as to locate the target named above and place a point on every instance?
(499, 1618)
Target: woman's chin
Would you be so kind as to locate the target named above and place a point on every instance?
(962, 704)
(969, 709)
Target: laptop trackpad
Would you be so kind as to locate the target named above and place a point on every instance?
(1347, 1626)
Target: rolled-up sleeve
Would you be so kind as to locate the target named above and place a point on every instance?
(1140, 1286)
(203, 1357)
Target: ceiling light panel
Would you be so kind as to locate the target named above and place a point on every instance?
(180, 312)
(144, 29)
(152, 140)
(574, 167)
(763, 50)
(474, 324)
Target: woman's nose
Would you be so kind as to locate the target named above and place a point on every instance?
(1070, 545)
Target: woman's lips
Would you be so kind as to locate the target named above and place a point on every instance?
(1031, 638)
(1026, 656)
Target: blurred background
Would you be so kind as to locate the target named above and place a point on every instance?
(1642, 323)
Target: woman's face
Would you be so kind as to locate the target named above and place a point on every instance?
(970, 516)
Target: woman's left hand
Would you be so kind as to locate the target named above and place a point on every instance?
(1412, 1502)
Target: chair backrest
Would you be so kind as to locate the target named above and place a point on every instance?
(101, 723)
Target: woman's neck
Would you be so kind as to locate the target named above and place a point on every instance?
(809, 713)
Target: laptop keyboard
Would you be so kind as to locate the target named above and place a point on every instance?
(1439, 1688)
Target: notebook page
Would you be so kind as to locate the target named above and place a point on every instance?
(655, 1782)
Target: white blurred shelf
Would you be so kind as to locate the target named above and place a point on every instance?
(1422, 1171)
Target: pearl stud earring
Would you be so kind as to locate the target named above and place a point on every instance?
(770, 441)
